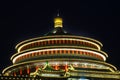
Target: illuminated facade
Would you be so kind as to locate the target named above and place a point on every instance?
(59, 54)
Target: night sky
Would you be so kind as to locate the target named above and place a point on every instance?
(29, 19)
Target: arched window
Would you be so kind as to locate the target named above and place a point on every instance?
(48, 42)
(66, 51)
(62, 51)
(32, 45)
(81, 52)
(44, 42)
(59, 41)
(74, 52)
(41, 53)
(35, 44)
(38, 43)
(70, 52)
(53, 52)
(80, 42)
(45, 52)
(52, 42)
(56, 41)
(63, 41)
(58, 51)
(70, 42)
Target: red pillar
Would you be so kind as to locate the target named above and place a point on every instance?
(28, 70)
(66, 67)
(36, 67)
(56, 67)
(14, 73)
(20, 71)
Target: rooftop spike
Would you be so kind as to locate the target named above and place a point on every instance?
(58, 14)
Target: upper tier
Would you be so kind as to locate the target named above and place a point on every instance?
(63, 44)
(59, 40)
(58, 37)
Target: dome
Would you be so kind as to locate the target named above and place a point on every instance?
(66, 55)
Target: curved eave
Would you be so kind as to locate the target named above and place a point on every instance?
(50, 47)
(58, 36)
(101, 75)
(95, 72)
(35, 61)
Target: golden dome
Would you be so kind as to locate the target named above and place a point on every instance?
(58, 22)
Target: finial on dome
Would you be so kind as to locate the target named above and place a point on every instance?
(58, 14)
(58, 21)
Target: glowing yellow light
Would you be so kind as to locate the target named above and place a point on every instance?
(58, 22)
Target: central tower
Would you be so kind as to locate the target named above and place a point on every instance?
(62, 55)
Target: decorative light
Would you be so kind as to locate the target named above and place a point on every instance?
(14, 59)
(58, 22)
(60, 39)
(99, 62)
(83, 79)
(58, 36)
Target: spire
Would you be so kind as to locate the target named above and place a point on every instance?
(58, 21)
(58, 14)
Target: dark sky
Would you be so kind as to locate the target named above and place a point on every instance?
(28, 19)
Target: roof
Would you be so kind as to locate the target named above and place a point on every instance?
(57, 31)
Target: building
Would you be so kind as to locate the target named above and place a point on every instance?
(59, 55)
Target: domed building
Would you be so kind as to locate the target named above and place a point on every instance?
(61, 55)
